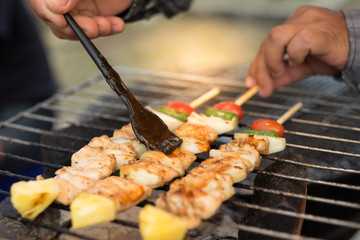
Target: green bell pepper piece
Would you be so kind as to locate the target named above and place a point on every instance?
(262, 132)
(182, 116)
(221, 114)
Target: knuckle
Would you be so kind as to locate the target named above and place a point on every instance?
(302, 9)
(306, 36)
(277, 32)
(310, 13)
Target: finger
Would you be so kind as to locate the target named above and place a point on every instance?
(117, 25)
(61, 6)
(275, 47)
(260, 73)
(109, 25)
(250, 80)
(308, 42)
(64, 33)
(93, 27)
(104, 25)
(88, 25)
(49, 17)
(292, 74)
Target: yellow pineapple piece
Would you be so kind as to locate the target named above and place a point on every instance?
(88, 209)
(157, 224)
(32, 197)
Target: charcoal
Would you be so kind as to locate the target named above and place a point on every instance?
(12, 229)
(272, 221)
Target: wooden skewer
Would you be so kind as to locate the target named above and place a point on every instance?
(205, 97)
(246, 96)
(289, 113)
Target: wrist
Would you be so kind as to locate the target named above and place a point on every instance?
(141, 9)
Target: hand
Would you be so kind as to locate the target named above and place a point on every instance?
(95, 17)
(314, 40)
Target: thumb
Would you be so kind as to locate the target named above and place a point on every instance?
(61, 6)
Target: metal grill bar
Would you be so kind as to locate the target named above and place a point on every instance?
(332, 221)
(34, 144)
(323, 150)
(300, 196)
(91, 100)
(18, 176)
(270, 233)
(88, 114)
(29, 160)
(324, 137)
(313, 165)
(328, 183)
(44, 132)
(326, 124)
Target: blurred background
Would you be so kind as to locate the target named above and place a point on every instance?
(213, 35)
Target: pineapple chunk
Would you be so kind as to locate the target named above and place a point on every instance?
(157, 224)
(88, 209)
(276, 144)
(32, 197)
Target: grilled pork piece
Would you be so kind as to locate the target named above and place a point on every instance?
(87, 154)
(155, 168)
(125, 132)
(251, 158)
(232, 166)
(196, 138)
(260, 144)
(150, 173)
(202, 133)
(124, 192)
(195, 146)
(124, 152)
(71, 186)
(197, 196)
(126, 135)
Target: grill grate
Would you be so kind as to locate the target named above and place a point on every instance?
(325, 132)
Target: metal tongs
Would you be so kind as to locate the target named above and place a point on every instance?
(147, 126)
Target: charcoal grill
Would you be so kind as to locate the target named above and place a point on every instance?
(325, 133)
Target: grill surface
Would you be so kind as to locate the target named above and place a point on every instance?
(325, 132)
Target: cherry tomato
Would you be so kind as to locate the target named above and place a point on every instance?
(268, 125)
(181, 107)
(230, 107)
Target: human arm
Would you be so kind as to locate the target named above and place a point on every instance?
(314, 40)
(351, 72)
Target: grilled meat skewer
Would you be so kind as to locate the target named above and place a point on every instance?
(227, 165)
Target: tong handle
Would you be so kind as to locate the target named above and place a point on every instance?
(94, 53)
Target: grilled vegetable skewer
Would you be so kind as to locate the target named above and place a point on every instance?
(235, 107)
(182, 110)
(175, 113)
(223, 117)
(266, 124)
